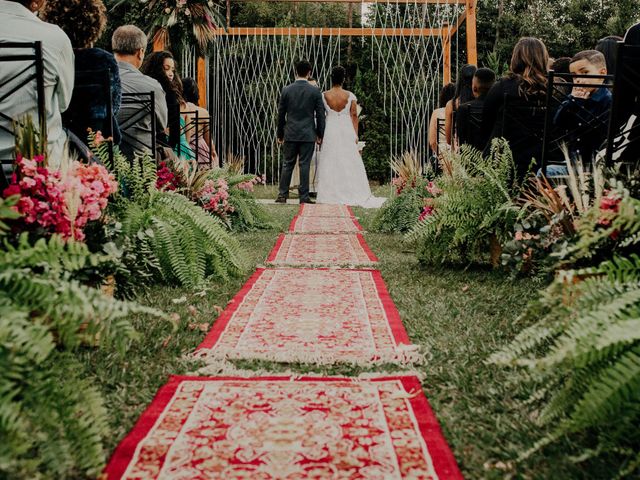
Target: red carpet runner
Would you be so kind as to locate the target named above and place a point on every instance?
(269, 428)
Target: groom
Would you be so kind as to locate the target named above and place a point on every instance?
(301, 120)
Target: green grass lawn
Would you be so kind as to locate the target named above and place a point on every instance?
(460, 316)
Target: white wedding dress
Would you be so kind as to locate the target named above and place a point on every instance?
(342, 178)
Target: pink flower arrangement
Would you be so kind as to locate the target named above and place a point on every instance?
(610, 206)
(249, 185)
(433, 189)
(167, 180)
(427, 211)
(214, 198)
(58, 203)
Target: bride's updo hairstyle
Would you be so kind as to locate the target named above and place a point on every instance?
(338, 75)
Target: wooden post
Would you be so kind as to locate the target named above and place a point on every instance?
(159, 41)
(446, 54)
(472, 44)
(228, 13)
(201, 73)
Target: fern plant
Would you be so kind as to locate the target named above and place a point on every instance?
(400, 212)
(188, 244)
(52, 419)
(472, 212)
(583, 358)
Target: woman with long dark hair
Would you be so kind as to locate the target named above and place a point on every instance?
(162, 67)
(524, 89)
(608, 46)
(464, 94)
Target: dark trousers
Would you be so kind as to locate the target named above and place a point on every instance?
(292, 151)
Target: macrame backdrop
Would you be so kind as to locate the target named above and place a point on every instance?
(247, 74)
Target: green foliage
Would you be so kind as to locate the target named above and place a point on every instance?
(189, 244)
(471, 210)
(52, 421)
(583, 357)
(400, 213)
(7, 212)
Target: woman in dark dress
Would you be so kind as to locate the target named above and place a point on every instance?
(514, 107)
(84, 22)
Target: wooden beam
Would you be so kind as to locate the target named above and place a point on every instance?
(446, 58)
(201, 74)
(472, 45)
(435, 2)
(334, 32)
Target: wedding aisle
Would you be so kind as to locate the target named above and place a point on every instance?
(283, 427)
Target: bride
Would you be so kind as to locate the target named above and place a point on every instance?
(342, 178)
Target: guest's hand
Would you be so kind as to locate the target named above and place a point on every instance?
(319, 141)
(280, 141)
(581, 92)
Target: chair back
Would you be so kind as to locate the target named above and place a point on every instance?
(26, 83)
(137, 119)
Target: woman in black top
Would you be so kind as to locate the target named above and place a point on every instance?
(84, 22)
(514, 107)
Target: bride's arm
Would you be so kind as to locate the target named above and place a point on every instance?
(354, 117)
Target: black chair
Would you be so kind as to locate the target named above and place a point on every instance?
(523, 123)
(470, 124)
(440, 134)
(198, 126)
(585, 125)
(91, 106)
(134, 109)
(30, 77)
(623, 141)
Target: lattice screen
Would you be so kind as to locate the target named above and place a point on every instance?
(247, 74)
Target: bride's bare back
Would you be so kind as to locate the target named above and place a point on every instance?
(337, 99)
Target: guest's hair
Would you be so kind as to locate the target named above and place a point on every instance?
(303, 68)
(190, 90)
(561, 65)
(594, 57)
(153, 66)
(83, 21)
(338, 74)
(464, 89)
(128, 39)
(529, 65)
(608, 46)
(485, 77)
(447, 93)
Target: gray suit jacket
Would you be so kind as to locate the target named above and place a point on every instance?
(301, 115)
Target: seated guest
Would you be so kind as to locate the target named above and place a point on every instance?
(514, 107)
(469, 117)
(200, 143)
(437, 134)
(464, 93)
(20, 24)
(84, 22)
(561, 65)
(129, 44)
(584, 116)
(608, 46)
(161, 66)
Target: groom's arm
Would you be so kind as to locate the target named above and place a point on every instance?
(320, 116)
(282, 115)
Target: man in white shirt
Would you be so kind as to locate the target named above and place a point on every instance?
(19, 23)
(129, 44)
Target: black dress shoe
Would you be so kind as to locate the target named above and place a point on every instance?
(281, 200)
(308, 200)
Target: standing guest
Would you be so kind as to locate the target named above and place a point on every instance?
(437, 134)
(162, 67)
(524, 86)
(20, 24)
(84, 22)
(584, 116)
(608, 46)
(469, 118)
(129, 44)
(464, 93)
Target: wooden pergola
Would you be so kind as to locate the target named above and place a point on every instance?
(446, 32)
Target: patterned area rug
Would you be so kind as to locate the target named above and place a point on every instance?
(322, 250)
(333, 225)
(270, 428)
(324, 210)
(311, 316)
